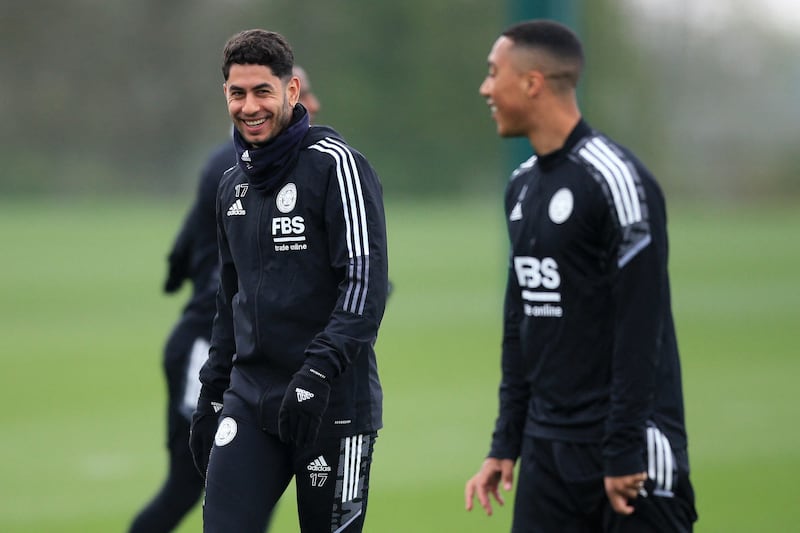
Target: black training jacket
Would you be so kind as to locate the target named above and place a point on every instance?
(194, 254)
(303, 277)
(589, 347)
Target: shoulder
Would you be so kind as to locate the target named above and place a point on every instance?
(333, 155)
(608, 160)
(232, 178)
(524, 167)
(626, 184)
(220, 159)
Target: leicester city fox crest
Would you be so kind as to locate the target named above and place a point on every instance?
(560, 207)
(286, 198)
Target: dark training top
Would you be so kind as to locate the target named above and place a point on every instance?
(302, 239)
(589, 347)
(194, 256)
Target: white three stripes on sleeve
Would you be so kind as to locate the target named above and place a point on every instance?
(355, 220)
(660, 462)
(619, 178)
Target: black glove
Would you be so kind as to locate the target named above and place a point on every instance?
(302, 408)
(202, 431)
(177, 271)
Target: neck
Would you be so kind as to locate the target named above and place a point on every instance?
(552, 131)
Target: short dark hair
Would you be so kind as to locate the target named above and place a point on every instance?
(553, 38)
(259, 47)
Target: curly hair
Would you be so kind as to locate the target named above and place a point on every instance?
(259, 47)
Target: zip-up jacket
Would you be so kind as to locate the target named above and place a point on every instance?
(589, 346)
(303, 279)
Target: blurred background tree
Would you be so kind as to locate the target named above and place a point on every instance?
(119, 97)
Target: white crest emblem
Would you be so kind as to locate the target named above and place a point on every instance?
(560, 206)
(225, 432)
(287, 197)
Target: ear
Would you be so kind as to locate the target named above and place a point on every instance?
(534, 82)
(293, 90)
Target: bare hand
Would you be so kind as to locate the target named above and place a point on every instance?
(621, 489)
(487, 481)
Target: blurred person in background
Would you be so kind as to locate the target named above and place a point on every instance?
(194, 256)
(290, 387)
(591, 400)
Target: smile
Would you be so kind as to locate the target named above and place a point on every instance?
(255, 123)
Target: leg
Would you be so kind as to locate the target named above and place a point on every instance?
(333, 484)
(180, 491)
(183, 486)
(248, 471)
(559, 488)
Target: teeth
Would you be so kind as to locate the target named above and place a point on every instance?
(254, 123)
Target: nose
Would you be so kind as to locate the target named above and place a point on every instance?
(250, 105)
(484, 88)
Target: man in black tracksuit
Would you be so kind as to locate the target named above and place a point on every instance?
(194, 256)
(291, 386)
(590, 398)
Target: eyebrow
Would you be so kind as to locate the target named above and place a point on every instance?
(260, 86)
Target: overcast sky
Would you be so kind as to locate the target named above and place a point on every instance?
(713, 15)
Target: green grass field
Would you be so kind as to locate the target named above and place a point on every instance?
(83, 321)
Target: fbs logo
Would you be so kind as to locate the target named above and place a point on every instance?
(539, 282)
(288, 233)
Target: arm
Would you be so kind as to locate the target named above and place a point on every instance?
(498, 467)
(215, 373)
(639, 300)
(194, 249)
(205, 259)
(179, 257)
(638, 294)
(356, 228)
(514, 389)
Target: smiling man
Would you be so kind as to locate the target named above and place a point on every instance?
(290, 387)
(590, 399)
(193, 257)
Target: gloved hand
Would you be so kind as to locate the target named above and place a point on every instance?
(205, 420)
(177, 268)
(302, 408)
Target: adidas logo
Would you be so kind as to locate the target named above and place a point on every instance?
(246, 156)
(303, 395)
(516, 213)
(319, 465)
(217, 406)
(236, 209)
